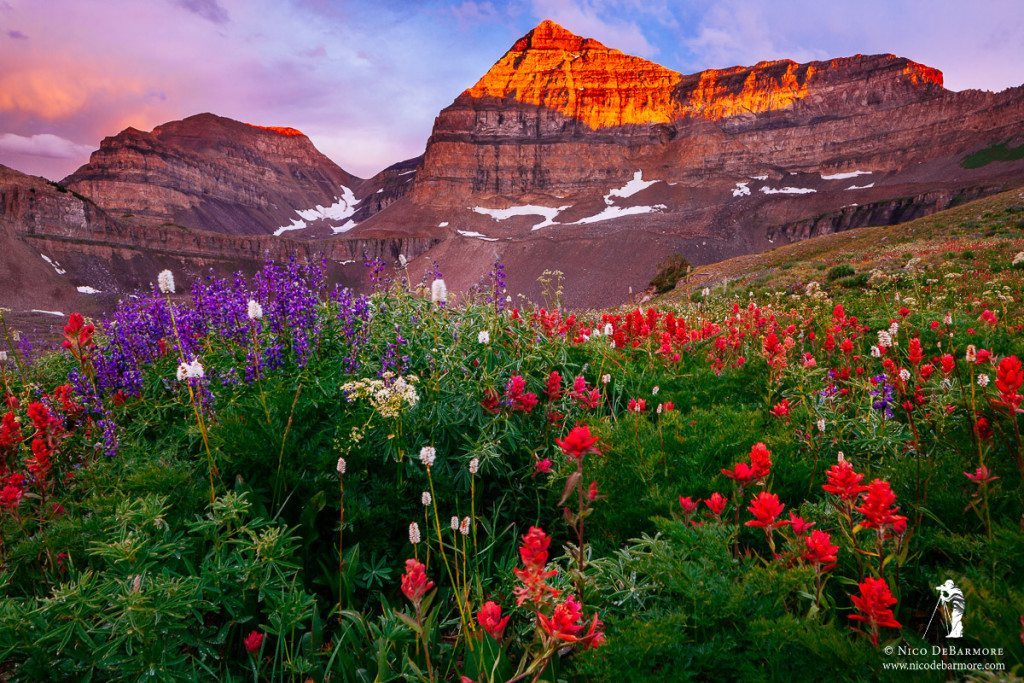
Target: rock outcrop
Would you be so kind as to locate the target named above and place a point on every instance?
(212, 173)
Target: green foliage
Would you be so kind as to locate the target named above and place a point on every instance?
(841, 271)
(998, 152)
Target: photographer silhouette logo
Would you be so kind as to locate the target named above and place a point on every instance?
(951, 603)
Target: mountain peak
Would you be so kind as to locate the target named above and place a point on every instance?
(548, 35)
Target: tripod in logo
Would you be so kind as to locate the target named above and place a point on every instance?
(951, 602)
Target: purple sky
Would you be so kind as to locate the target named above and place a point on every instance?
(365, 79)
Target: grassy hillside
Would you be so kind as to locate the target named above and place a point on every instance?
(983, 235)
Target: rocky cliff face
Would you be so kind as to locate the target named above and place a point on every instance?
(570, 155)
(565, 155)
(213, 173)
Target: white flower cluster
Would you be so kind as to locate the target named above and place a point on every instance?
(982, 380)
(389, 395)
(884, 338)
(165, 281)
(484, 337)
(255, 310)
(438, 291)
(474, 465)
(193, 370)
(427, 456)
(342, 465)
(1018, 259)
(426, 498)
(414, 533)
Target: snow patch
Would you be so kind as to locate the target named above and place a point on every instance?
(741, 190)
(342, 208)
(297, 224)
(611, 212)
(548, 212)
(844, 176)
(787, 190)
(86, 289)
(57, 313)
(476, 235)
(631, 188)
(860, 187)
(443, 224)
(407, 172)
(54, 264)
(759, 177)
(345, 227)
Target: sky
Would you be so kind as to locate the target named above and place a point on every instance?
(364, 79)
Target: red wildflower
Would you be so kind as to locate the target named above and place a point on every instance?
(716, 503)
(766, 508)
(820, 550)
(553, 388)
(947, 362)
(983, 429)
(981, 476)
(800, 525)
(518, 397)
(253, 642)
(875, 606)
(668, 406)
(534, 554)
(741, 473)
(592, 492)
(688, 504)
(781, 409)
(587, 397)
(1009, 377)
(415, 583)
(877, 506)
(989, 318)
(636, 405)
(10, 430)
(843, 481)
(915, 354)
(760, 460)
(490, 619)
(78, 336)
(10, 496)
(564, 624)
(542, 466)
(578, 442)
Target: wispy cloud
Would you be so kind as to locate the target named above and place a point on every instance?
(43, 145)
(207, 9)
(15, 34)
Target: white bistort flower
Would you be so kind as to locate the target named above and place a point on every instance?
(464, 526)
(474, 465)
(455, 523)
(255, 310)
(427, 455)
(484, 337)
(341, 465)
(193, 370)
(982, 380)
(904, 374)
(426, 498)
(414, 533)
(165, 281)
(438, 291)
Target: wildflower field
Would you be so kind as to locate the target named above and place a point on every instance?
(268, 478)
